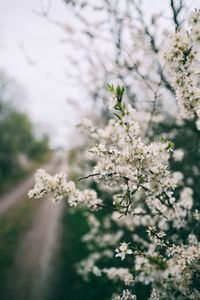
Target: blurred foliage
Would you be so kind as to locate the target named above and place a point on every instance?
(18, 143)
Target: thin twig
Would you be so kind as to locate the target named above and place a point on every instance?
(88, 176)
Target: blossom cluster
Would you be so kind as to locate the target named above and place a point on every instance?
(57, 187)
(182, 57)
(124, 162)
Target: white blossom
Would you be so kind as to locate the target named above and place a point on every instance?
(178, 154)
(123, 250)
(186, 199)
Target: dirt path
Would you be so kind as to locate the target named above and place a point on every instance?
(18, 192)
(31, 274)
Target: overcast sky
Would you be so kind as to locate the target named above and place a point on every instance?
(31, 51)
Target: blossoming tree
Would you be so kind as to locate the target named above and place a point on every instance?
(149, 236)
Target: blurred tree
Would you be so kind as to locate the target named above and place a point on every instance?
(119, 41)
(123, 42)
(18, 143)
